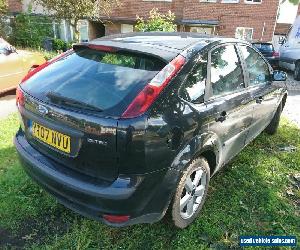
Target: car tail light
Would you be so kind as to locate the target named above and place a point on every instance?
(275, 54)
(20, 100)
(152, 90)
(116, 218)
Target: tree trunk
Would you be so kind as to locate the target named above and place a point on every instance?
(74, 24)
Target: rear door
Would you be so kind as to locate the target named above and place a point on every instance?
(263, 93)
(229, 101)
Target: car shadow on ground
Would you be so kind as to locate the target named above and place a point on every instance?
(247, 197)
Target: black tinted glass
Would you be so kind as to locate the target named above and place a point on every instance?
(193, 89)
(264, 46)
(257, 67)
(97, 78)
(226, 71)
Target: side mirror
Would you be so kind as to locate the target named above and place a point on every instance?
(279, 76)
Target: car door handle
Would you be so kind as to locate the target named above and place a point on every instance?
(259, 100)
(222, 117)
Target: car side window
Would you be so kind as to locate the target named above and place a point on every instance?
(257, 67)
(193, 89)
(226, 71)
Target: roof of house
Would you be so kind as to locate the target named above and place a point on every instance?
(282, 28)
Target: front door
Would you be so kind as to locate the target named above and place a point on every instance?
(264, 96)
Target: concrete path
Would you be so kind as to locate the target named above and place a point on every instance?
(7, 105)
(292, 107)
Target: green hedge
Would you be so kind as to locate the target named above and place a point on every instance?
(61, 45)
(30, 30)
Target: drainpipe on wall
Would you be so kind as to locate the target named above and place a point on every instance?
(263, 31)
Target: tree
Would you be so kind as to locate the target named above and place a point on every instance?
(75, 10)
(157, 22)
(3, 7)
(295, 2)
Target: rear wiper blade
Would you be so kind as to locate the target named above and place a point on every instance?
(71, 102)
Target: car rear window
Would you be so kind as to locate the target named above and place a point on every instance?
(263, 46)
(101, 79)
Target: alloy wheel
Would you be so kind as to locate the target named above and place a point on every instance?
(193, 192)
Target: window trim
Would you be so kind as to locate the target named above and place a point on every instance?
(123, 25)
(230, 1)
(240, 27)
(207, 1)
(211, 96)
(251, 2)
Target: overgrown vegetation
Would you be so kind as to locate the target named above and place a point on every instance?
(30, 30)
(3, 9)
(255, 195)
(157, 22)
(75, 10)
(61, 45)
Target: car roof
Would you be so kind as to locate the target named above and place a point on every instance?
(165, 45)
(269, 43)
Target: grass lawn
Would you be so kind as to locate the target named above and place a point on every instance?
(254, 195)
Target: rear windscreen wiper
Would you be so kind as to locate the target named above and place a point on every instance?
(71, 102)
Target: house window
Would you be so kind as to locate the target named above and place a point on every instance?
(253, 1)
(230, 1)
(207, 1)
(126, 28)
(244, 33)
(83, 30)
(202, 30)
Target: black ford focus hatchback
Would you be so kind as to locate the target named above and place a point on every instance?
(123, 128)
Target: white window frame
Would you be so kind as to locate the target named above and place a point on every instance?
(230, 1)
(244, 28)
(207, 1)
(126, 26)
(252, 2)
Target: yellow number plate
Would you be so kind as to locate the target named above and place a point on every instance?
(51, 137)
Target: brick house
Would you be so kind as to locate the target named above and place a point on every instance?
(246, 19)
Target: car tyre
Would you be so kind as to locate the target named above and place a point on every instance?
(297, 71)
(190, 193)
(271, 129)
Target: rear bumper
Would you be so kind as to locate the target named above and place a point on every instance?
(145, 198)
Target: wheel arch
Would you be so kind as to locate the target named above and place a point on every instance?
(206, 145)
